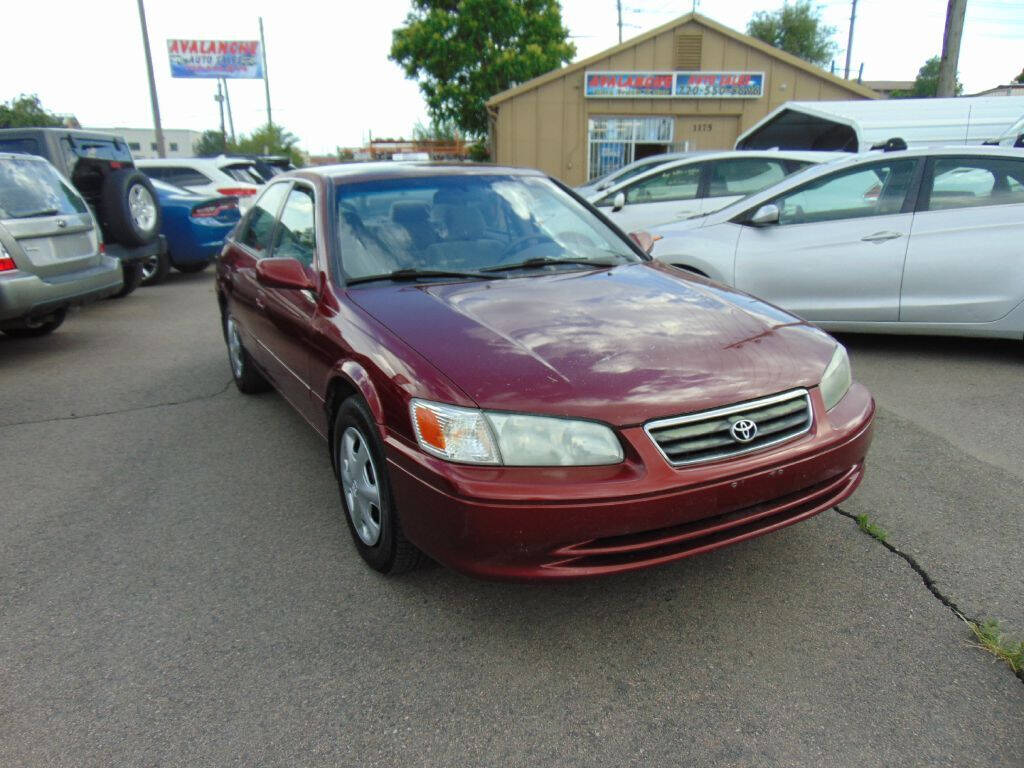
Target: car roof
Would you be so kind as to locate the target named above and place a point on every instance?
(21, 156)
(390, 169)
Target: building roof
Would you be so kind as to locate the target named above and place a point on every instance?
(753, 42)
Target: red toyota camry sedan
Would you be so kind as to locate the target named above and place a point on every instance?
(510, 385)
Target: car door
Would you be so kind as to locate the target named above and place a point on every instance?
(965, 263)
(246, 297)
(735, 177)
(837, 251)
(288, 312)
(664, 196)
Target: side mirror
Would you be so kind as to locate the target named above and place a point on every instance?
(765, 215)
(619, 201)
(645, 240)
(283, 273)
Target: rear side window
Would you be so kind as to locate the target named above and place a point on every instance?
(260, 225)
(30, 188)
(679, 183)
(24, 146)
(969, 182)
(874, 190)
(244, 173)
(744, 176)
(296, 236)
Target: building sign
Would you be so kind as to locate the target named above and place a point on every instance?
(215, 58)
(628, 85)
(719, 85)
(682, 85)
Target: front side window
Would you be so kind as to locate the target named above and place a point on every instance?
(296, 236)
(744, 176)
(466, 222)
(680, 183)
(30, 188)
(874, 190)
(961, 182)
(260, 226)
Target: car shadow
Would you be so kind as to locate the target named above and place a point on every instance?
(937, 347)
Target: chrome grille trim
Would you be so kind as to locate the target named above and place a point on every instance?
(697, 438)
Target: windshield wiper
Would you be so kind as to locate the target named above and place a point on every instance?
(415, 274)
(33, 214)
(543, 261)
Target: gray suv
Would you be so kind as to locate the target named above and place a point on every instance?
(51, 255)
(101, 168)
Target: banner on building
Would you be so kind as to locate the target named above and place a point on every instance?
(238, 59)
(681, 85)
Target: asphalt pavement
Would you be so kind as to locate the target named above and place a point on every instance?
(177, 587)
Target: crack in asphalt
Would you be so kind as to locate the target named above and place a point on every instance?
(929, 582)
(75, 417)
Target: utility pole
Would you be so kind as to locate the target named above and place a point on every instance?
(955, 11)
(227, 102)
(219, 98)
(161, 150)
(618, 4)
(266, 75)
(849, 42)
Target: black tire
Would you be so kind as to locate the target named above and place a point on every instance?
(189, 269)
(391, 553)
(132, 273)
(247, 377)
(130, 208)
(155, 268)
(34, 329)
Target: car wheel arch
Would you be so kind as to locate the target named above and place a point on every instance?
(346, 380)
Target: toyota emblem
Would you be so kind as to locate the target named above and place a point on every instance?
(743, 431)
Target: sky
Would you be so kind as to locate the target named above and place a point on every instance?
(332, 83)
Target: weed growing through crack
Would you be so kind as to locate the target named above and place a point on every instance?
(870, 528)
(991, 639)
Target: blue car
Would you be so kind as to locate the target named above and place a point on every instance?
(195, 226)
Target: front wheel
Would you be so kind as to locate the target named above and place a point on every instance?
(366, 496)
(247, 378)
(155, 268)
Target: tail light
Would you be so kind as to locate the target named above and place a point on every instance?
(213, 210)
(103, 247)
(237, 191)
(6, 262)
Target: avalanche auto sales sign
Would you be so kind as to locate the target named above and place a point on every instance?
(680, 85)
(215, 58)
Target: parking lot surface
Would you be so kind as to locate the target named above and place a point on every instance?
(177, 586)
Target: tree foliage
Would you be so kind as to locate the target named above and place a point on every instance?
(926, 84)
(797, 29)
(26, 111)
(1019, 78)
(438, 130)
(210, 144)
(267, 140)
(462, 52)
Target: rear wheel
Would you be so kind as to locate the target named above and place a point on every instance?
(365, 490)
(132, 273)
(188, 269)
(155, 268)
(42, 327)
(247, 378)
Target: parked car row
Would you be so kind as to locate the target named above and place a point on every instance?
(79, 222)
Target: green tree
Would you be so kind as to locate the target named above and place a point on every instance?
(462, 52)
(1019, 78)
(438, 130)
(926, 84)
(26, 111)
(209, 144)
(345, 155)
(795, 28)
(271, 139)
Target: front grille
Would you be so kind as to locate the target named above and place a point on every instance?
(710, 435)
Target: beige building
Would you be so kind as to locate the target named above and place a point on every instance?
(691, 84)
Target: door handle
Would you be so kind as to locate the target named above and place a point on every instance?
(881, 237)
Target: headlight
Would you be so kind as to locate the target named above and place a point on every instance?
(837, 379)
(471, 436)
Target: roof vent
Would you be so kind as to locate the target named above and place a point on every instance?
(894, 144)
(688, 51)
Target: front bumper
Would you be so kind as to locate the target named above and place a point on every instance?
(560, 523)
(25, 295)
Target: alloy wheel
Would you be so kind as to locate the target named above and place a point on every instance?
(143, 207)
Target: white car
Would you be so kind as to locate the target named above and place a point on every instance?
(698, 184)
(627, 171)
(926, 240)
(223, 176)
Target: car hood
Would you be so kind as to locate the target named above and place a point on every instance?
(621, 345)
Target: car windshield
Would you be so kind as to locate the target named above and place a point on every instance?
(30, 188)
(469, 222)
